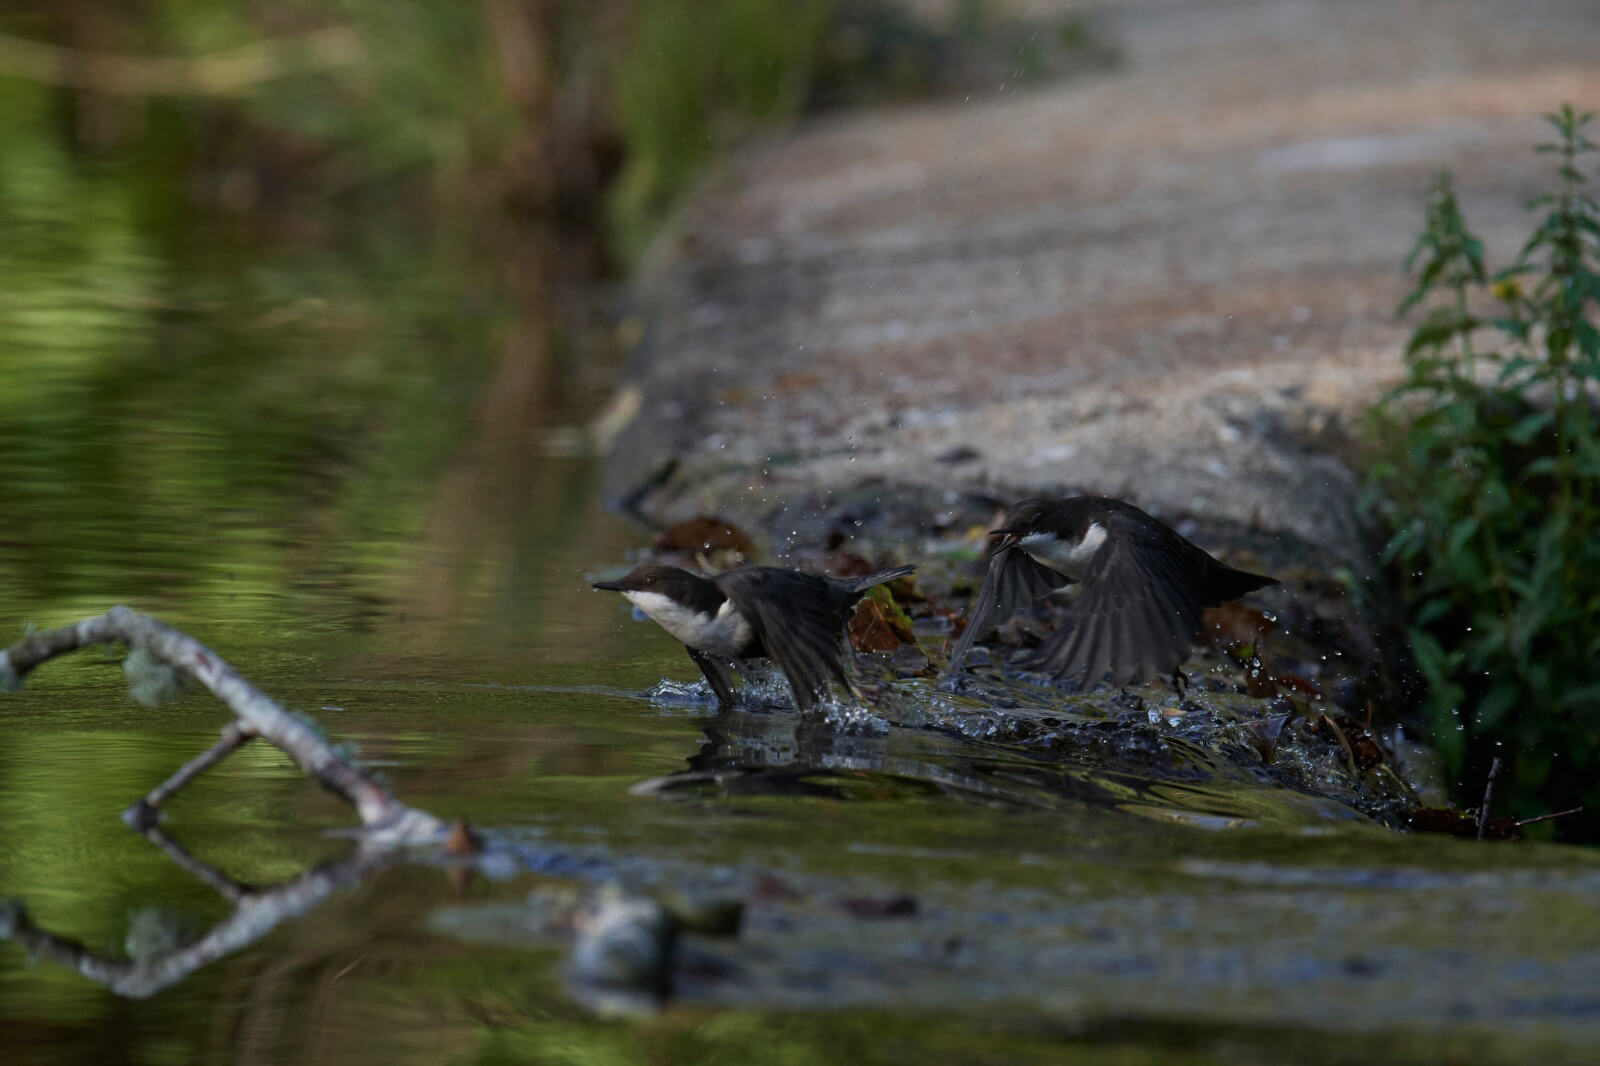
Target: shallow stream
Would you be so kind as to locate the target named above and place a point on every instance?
(367, 541)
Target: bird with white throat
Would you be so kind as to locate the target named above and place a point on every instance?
(752, 612)
(1144, 587)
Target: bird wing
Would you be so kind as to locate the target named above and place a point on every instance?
(1014, 579)
(791, 615)
(1135, 619)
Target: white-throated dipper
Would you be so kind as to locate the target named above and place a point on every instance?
(754, 612)
(1144, 587)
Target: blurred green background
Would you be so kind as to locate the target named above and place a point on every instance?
(278, 282)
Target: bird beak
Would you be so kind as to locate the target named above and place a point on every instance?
(1010, 536)
(608, 586)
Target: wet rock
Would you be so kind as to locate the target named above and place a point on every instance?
(623, 943)
(709, 915)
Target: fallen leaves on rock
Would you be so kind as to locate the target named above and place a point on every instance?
(1351, 734)
(1263, 683)
(1363, 744)
(879, 625)
(1456, 823)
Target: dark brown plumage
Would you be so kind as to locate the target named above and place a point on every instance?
(1144, 588)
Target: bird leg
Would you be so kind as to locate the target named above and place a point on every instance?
(717, 677)
(1180, 681)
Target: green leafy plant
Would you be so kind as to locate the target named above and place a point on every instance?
(1487, 486)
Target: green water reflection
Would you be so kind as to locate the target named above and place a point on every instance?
(319, 461)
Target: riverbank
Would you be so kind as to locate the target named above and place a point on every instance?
(1174, 282)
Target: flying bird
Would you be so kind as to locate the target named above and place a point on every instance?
(754, 612)
(1143, 588)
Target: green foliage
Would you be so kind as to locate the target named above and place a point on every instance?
(1488, 490)
(596, 114)
(693, 75)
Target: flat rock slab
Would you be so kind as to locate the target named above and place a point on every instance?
(1173, 283)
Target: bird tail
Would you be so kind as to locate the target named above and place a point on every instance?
(862, 584)
(1230, 584)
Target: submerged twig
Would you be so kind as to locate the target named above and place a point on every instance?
(383, 817)
(230, 889)
(1488, 795)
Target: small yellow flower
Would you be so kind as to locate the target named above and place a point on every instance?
(1506, 290)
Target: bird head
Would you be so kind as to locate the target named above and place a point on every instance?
(648, 577)
(1022, 518)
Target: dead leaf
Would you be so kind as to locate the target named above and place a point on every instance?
(1363, 745)
(1264, 734)
(876, 908)
(704, 534)
(768, 887)
(878, 625)
(1351, 734)
(1263, 685)
(1234, 625)
(461, 840)
(846, 564)
(1296, 683)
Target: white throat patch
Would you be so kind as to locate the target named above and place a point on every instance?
(724, 633)
(1068, 558)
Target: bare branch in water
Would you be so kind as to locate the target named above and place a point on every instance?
(383, 817)
(142, 815)
(255, 913)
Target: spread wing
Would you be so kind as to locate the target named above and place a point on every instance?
(1014, 579)
(1135, 619)
(791, 615)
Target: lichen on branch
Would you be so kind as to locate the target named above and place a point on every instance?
(383, 817)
